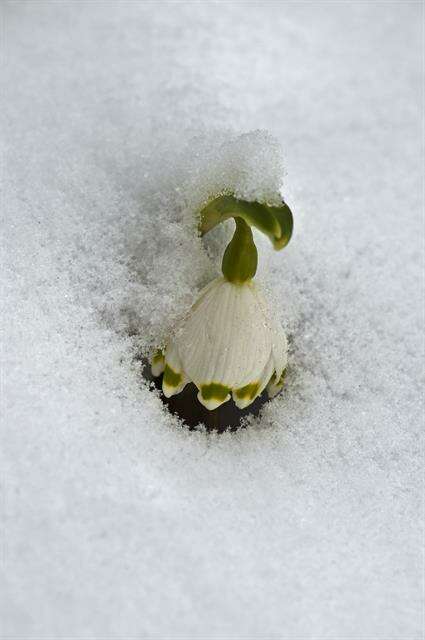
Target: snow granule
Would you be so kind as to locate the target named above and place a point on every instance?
(121, 120)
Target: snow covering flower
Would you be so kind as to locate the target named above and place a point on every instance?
(228, 345)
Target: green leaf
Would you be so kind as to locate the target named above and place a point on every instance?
(283, 215)
(275, 222)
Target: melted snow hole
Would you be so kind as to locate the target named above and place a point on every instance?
(187, 407)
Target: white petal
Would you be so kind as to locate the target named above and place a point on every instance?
(245, 396)
(174, 379)
(157, 364)
(225, 339)
(279, 342)
(275, 385)
(213, 401)
(280, 349)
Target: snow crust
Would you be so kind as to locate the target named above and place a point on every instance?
(120, 120)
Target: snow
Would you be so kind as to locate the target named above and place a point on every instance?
(120, 118)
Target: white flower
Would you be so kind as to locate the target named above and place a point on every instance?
(228, 345)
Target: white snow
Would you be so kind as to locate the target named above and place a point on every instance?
(120, 119)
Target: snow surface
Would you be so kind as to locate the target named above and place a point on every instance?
(119, 119)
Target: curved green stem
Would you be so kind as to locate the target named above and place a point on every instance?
(241, 257)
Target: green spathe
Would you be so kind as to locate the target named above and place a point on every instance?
(274, 222)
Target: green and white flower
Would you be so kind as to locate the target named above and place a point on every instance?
(230, 344)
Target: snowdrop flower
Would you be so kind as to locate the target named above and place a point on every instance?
(229, 344)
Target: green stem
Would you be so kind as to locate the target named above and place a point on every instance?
(240, 258)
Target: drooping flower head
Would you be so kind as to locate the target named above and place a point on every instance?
(230, 344)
